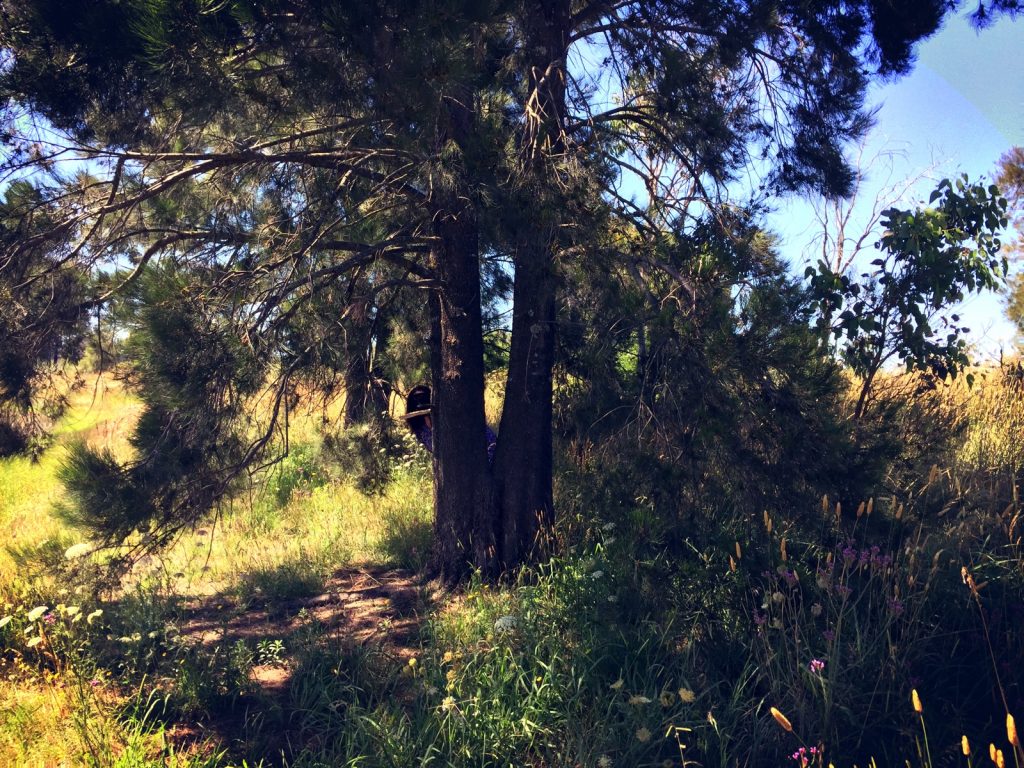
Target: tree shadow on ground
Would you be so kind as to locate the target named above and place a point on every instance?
(364, 622)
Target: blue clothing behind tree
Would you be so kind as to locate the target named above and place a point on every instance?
(426, 437)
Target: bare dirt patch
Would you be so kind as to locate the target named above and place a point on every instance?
(367, 606)
(362, 604)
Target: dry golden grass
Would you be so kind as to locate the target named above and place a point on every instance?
(102, 414)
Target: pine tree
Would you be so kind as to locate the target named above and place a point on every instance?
(1010, 179)
(257, 156)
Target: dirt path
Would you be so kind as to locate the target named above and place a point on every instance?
(362, 605)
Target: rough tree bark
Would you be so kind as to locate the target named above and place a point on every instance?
(464, 520)
(523, 464)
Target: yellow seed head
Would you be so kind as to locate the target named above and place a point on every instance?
(965, 746)
(992, 752)
(899, 511)
(782, 720)
(1000, 760)
(839, 510)
(916, 701)
(732, 564)
(1011, 731)
(739, 552)
(782, 550)
(860, 509)
(871, 505)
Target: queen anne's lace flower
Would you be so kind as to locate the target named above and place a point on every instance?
(37, 612)
(505, 624)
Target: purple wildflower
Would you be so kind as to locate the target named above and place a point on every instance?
(829, 635)
(816, 666)
(49, 618)
(804, 755)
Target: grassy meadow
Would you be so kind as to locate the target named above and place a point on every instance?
(291, 630)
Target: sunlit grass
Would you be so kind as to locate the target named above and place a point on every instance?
(75, 721)
(611, 654)
(326, 523)
(35, 728)
(100, 413)
(317, 531)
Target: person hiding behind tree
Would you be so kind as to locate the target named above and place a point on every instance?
(419, 418)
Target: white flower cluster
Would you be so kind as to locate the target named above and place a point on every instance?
(505, 624)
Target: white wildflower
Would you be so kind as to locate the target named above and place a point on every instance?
(448, 704)
(617, 685)
(636, 700)
(78, 550)
(36, 613)
(597, 574)
(642, 734)
(505, 624)
(604, 762)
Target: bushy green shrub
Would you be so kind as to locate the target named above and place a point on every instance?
(301, 469)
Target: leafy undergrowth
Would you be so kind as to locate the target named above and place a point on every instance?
(283, 635)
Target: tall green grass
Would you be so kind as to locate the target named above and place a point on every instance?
(641, 643)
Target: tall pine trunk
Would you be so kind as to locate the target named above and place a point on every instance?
(523, 462)
(464, 519)
(523, 465)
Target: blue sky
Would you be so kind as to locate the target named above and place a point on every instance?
(957, 112)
